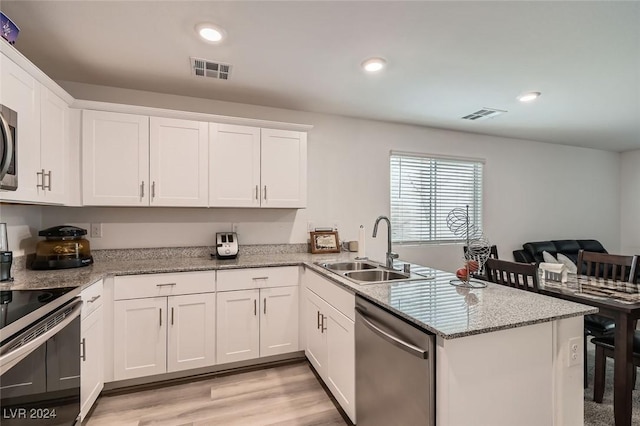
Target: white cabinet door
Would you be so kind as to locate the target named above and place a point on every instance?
(238, 325)
(234, 166)
(92, 366)
(179, 161)
(316, 338)
(340, 373)
(140, 337)
(21, 93)
(54, 131)
(283, 168)
(115, 159)
(279, 320)
(192, 331)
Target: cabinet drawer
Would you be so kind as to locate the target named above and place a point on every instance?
(91, 298)
(244, 279)
(169, 284)
(341, 299)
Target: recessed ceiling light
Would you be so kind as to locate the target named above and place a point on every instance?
(374, 64)
(528, 97)
(210, 33)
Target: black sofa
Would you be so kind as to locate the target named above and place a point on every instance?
(532, 252)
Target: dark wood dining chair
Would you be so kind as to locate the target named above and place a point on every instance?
(606, 266)
(604, 349)
(518, 275)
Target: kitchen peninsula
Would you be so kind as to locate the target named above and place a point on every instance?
(492, 344)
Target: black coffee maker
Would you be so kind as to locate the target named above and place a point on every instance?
(6, 256)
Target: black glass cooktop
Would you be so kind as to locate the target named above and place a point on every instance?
(16, 305)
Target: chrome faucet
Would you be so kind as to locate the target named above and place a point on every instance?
(390, 255)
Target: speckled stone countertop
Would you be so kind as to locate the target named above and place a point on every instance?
(432, 304)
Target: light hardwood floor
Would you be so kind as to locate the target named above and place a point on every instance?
(283, 395)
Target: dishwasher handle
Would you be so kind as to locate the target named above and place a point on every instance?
(407, 347)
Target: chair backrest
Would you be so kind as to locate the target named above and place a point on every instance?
(609, 266)
(519, 275)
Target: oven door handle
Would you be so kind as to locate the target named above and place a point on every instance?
(12, 358)
(8, 146)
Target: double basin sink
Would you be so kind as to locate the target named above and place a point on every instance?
(365, 272)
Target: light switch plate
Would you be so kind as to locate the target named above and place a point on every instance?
(96, 230)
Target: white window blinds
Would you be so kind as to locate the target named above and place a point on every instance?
(425, 189)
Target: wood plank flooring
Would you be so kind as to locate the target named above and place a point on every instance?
(282, 395)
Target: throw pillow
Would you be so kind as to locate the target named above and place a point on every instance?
(548, 257)
(571, 267)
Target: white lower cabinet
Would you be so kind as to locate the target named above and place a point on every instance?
(166, 333)
(330, 338)
(92, 347)
(257, 313)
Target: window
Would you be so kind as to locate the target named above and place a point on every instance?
(424, 189)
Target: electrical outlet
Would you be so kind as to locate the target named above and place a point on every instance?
(575, 354)
(96, 230)
(310, 227)
(234, 227)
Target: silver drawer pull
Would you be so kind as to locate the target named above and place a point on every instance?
(83, 343)
(93, 299)
(260, 278)
(165, 285)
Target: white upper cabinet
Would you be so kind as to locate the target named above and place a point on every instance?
(42, 136)
(134, 160)
(283, 168)
(252, 167)
(54, 132)
(178, 156)
(115, 159)
(234, 166)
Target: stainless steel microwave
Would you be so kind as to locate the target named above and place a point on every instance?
(8, 149)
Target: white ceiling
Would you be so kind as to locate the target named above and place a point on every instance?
(445, 59)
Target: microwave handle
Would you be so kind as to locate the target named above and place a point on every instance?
(8, 146)
(12, 358)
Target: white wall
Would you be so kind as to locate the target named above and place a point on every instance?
(532, 190)
(23, 224)
(630, 202)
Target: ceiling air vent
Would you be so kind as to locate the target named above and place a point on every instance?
(483, 114)
(206, 68)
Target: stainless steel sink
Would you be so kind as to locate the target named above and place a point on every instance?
(349, 266)
(368, 272)
(377, 275)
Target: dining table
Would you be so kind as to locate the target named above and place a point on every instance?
(619, 301)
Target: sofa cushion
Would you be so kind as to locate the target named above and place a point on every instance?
(536, 248)
(591, 245)
(571, 266)
(548, 257)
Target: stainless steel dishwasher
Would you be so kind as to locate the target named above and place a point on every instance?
(395, 370)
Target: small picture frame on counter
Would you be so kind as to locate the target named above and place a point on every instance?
(325, 242)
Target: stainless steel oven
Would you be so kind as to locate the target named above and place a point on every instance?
(40, 357)
(8, 149)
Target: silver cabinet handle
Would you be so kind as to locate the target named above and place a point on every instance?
(255, 307)
(257, 192)
(153, 189)
(171, 315)
(160, 317)
(265, 306)
(318, 327)
(324, 327)
(165, 285)
(46, 175)
(40, 179)
(83, 343)
(142, 190)
(265, 192)
(407, 347)
(260, 278)
(93, 299)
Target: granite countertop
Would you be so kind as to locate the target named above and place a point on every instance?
(432, 304)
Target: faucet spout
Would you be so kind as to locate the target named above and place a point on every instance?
(390, 255)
